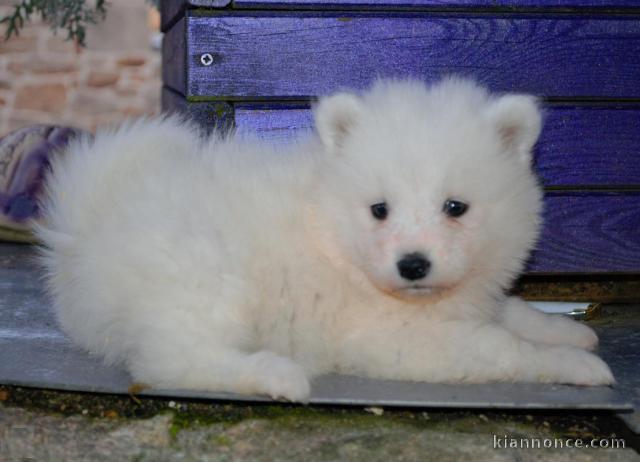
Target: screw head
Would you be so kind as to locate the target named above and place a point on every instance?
(206, 59)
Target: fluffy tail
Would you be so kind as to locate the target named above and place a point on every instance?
(83, 183)
(81, 179)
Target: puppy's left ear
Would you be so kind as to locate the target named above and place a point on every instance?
(335, 116)
(518, 120)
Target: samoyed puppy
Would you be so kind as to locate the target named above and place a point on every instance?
(380, 247)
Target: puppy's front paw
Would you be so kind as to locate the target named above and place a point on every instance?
(574, 333)
(281, 378)
(583, 336)
(579, 367)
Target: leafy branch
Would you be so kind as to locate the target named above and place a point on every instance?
(70, 15)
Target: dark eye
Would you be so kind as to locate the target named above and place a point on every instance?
(454, 208)
(380, 211)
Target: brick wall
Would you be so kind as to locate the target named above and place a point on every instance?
(44, 79)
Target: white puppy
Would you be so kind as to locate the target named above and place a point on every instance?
(381, 247)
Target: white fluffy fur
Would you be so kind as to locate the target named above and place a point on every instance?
(221, 264)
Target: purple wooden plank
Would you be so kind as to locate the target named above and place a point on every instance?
(172, 102)
(172, 10)
(276, 123)
(597, 146)
(621, 4)
(590, 146)
(208, 3)
(210, 115)
(174, 71)
(304, 54)
(589, 233)
(584, 232)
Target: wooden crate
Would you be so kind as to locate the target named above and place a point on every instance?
(256, 64)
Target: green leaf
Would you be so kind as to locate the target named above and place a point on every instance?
(73, 16)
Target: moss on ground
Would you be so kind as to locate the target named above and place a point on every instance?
(192, 414)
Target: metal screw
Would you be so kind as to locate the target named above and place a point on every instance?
(206, 59)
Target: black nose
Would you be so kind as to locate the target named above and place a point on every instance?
(413, 266)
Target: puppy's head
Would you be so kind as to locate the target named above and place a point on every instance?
(426, 189)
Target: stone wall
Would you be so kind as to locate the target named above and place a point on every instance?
(45, 79)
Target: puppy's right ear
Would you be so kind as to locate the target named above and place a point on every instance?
(518, 120)
(335, 117)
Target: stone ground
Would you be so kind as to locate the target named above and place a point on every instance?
(39, 425)
(45, 425)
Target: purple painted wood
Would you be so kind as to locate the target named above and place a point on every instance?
(173, 102)
(597, 146)
(541, 4)
(273, 123)
(589, 233)
(172, 10)
(585, 232)
(174, 66)
(210, 115)
(299, 55)
(208, 3)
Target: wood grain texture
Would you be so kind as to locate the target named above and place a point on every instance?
(595, 146)
(174, 65)
(273, 122)
(579, 146)
(589, 233)
(584, 232)
(173, 102)
(208, 3)
(299, 55)
(210, 115)
(540, 4)
(172, 10)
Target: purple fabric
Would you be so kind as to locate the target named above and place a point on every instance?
(24, 158)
